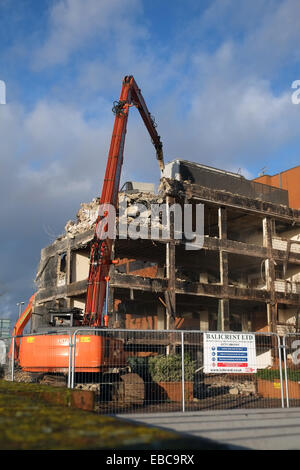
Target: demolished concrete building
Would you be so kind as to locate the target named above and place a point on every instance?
(246, 277)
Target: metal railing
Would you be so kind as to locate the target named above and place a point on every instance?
(291, 354)
(171, 366)
(160, 370)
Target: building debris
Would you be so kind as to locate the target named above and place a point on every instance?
(85, 218)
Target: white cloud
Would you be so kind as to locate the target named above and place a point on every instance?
(274, 42)
(74, 22)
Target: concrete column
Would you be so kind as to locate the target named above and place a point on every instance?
(204, 324)
(170, 296)
(245, 322)
(68, 271)
(161, 317)
(223, 312)
(268, 228)
(223, 315)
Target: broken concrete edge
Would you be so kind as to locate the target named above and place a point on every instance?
(88, 212)
(81, 399)
(182, 190)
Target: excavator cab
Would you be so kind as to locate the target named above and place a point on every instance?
(68, 317)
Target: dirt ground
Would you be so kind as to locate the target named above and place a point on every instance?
(228, 402)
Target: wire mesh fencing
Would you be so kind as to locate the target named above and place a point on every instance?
(153, 371)
(234, 370)
(6, 359)
(37, 358)
(127, 369)
(291, 348)
(132, 371)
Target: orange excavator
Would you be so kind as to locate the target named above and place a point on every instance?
(50, 352)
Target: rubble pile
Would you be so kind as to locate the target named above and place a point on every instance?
(138, 208)
(137, 205)
(172, 187)
(85, 218)
(235, 387)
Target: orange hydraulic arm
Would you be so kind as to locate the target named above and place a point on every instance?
(21, 323)
(100, 258)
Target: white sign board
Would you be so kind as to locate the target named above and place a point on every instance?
(229, 353)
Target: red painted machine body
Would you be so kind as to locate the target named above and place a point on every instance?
(50, 353)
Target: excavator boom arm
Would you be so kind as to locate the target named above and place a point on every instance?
(149, 122)
(100, 258)
(21, 323)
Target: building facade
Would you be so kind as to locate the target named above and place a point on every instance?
(246, 276)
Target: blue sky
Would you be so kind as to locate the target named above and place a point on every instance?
(216, 74)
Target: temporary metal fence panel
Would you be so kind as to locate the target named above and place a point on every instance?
(7, 358)
(159, 370)
(153, 371)
(291, 351)
(233, 370)
(37, 358)
(129, 370)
